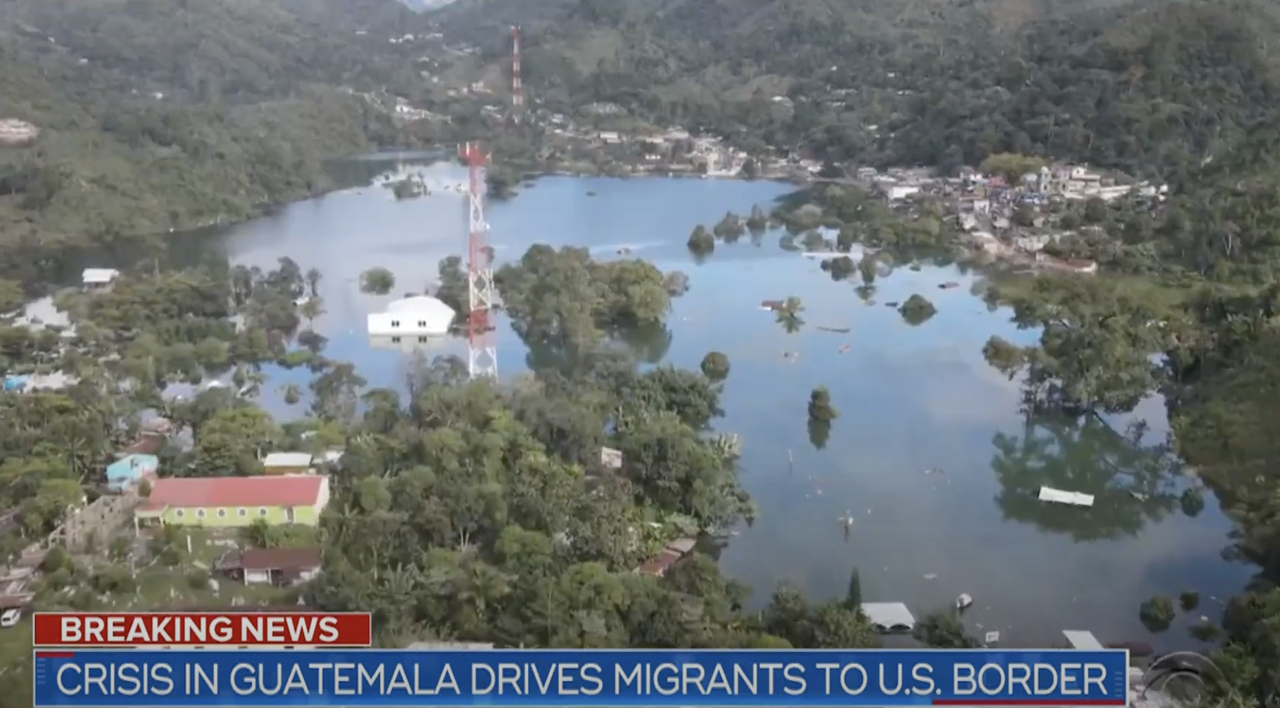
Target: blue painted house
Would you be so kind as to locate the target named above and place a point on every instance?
(130, 470)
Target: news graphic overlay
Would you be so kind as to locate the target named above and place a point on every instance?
(154, 630)
(141, 678)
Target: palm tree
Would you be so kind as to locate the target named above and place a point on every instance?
(313, 282)
(311, 309)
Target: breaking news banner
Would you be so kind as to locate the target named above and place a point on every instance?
(140, 678)
(213, 629)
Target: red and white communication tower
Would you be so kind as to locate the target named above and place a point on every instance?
(483, 355)
(517, 90)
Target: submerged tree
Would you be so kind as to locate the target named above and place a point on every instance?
(701, 241)
(820, 407)
(944, 629)
(917, 310)
(839, 268)
(788, 314)
(715, 366)
(377, 281)
(729, 228)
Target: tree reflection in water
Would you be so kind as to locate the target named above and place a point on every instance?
(1132, 483)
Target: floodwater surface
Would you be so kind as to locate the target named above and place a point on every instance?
(930, 455)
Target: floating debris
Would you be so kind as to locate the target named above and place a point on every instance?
(930, 576)
(891, 304)
(844, 348)
(837, 330)
(991, 638)
(964, 601)
(949, 285)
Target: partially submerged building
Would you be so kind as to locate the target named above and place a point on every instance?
(418, 317)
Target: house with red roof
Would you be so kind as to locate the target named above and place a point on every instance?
(234, 501)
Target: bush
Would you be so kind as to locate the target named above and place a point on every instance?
(702, 241)
(377, 281)
(715, 366)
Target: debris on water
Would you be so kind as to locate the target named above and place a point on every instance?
(791, 356)
(949, 285)
(891, 304)
(991, 638)
(930, 576)
(844, 348)
(964, 601)
(771, 305)
(624, 251)
(837, 330)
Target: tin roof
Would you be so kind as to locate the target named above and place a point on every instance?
(287, 459)
(281, 558)
(214, 492)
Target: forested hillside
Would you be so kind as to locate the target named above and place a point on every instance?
(1148, 86)
(162, 114)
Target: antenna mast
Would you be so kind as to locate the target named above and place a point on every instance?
(482, 357)
(517, 89)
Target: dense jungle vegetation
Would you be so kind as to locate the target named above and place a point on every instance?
(158, 114)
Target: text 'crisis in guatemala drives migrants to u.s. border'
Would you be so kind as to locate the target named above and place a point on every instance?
(241, 665)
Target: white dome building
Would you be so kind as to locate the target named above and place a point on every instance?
(417, 316)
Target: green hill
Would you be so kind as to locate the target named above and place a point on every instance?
(166, 114)
(1148, 86)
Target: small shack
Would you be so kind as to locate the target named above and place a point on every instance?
(889, 617)
(94, 278)
(272, 566)
(288, 463)
(667, 557)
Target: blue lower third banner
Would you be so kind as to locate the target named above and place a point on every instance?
(573, 679)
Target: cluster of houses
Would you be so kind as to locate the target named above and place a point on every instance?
(988, 207)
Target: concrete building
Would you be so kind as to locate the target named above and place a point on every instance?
(235, 501)
(99, 277)
(417, 316)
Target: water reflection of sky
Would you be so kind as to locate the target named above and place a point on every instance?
(910, 398)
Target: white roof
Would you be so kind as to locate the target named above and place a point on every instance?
(889, 616)
(287, 459)
(421, 304)
(1080, 639)
(99, 275)
(1049, 494)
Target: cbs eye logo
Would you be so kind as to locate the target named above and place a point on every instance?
(1186, 678)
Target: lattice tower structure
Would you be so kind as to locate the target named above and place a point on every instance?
(482, 359)
(517, 89)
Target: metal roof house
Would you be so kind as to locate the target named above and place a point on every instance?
(889, 617)
(130, 470)
(235, 501)
(416, 316)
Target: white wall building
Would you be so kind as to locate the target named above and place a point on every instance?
(98, 277)
(417, 316)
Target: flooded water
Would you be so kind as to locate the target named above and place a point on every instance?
(910, 399)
